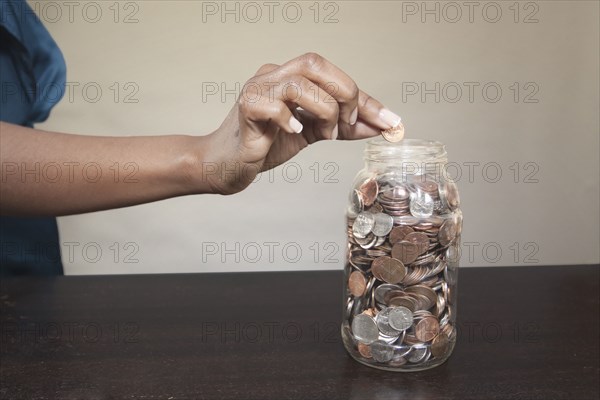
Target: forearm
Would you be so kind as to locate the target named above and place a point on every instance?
(48, 173)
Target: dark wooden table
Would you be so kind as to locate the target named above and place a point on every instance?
(524, 333)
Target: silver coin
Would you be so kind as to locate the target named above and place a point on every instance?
(356, 202)
(388, 339)
(400, 318)
(406, 220)
(418, 354)
(380, 240)
(365, 329)
(382, 289)
(383, 224)
(421, 205)
(363, 224)
(381, 351)
(401, 350)
(367, 242)
(349, 306)
(382, 320)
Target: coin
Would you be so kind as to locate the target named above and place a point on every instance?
(368, 192)
(388, 269)
(418, 354)
(357, 284)
(427, 294)
(363, 224)
(405, 251)
(447, 232)
(400, 301)
(439, 345)
(394, 134)
(382, 290)
(356, 203)
(381, 351)
(383, 324)
(399, 233)
(400, 318)
(427, 328)
(364, 350)
(420, 239)
(421, 205)
(383, 224)
(365, 329)
(452, 195)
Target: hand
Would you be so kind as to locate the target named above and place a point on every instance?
(283, 109)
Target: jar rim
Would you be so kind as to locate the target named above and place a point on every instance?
(408, 142)
(379, 148)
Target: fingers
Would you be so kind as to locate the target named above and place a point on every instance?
(274, 112)
(331, 101)
(329, 78)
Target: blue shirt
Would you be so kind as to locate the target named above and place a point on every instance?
(32, 81)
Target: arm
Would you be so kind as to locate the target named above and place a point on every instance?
(48, 173)
(268, 125)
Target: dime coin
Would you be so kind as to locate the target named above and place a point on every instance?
(383, 324)
(400, 318)
(363, 224)
(421, 205)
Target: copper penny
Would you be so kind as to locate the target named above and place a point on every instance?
(357, 284)
(420, 239)
(427, 328)
(364, 350)
(405, 251)
(439, 346)
(394, 134)
(447, 232)
(388, 269)
(398, 233)
(368, 192)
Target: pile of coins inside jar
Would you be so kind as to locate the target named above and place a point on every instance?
(402, 265)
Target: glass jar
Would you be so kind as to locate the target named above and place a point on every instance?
(403, 226)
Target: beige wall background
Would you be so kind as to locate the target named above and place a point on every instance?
(541, 133)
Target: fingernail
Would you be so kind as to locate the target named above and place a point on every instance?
(389, 118)
(295, 125)
(334, 133)
(354, 116)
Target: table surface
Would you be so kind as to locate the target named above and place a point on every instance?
(524, 333)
